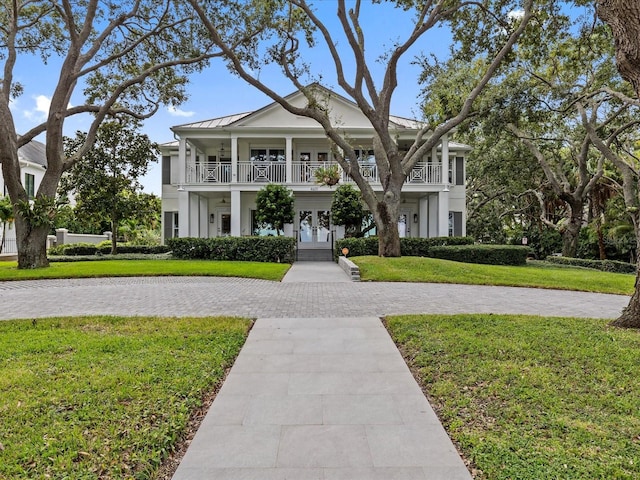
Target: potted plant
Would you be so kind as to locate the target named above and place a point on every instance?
(329, 175)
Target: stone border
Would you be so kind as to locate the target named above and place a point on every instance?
(350, 268)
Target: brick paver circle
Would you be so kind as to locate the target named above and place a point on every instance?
(197, 296)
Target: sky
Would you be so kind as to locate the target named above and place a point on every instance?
(215, 92)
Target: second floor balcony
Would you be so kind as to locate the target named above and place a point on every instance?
(300, 173)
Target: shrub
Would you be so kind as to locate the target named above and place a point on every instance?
(485, 254)
(410, 247)
(256, 249)
(104, 248)
(614, 266)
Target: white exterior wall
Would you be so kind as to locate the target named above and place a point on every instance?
(201, 206)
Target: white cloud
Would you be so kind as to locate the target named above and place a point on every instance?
(41, 110)
(515, 14)
(176, 112)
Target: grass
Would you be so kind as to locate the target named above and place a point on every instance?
(105, 397)
(530, 397)
(141, 268)
(419, 269)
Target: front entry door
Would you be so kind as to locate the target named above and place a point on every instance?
(314, 229)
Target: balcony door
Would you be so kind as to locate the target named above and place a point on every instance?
(314, 229)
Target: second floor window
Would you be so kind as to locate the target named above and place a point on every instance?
(30, 185)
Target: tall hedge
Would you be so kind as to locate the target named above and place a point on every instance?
(485, 254)
(614, 266)
(411, 247)
(256, 249)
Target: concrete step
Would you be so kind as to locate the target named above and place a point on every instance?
(315, 255)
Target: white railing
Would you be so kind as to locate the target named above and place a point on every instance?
(425, 173)
(262, 172)
(301, 172)
(209, 172)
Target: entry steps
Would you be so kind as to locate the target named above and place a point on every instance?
(315, 255)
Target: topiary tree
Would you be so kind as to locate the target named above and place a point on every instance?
(347, 209)
(274, 207)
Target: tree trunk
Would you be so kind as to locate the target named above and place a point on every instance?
(32, 245)
(571, 229)
(114, 236)
(630, 317)
(388, 235)
(622, 17)
(570, 236)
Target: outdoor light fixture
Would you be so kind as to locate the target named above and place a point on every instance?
(415, 218)
(180, 188)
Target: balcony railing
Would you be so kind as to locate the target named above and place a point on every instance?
(301, 172)
(262, 172)
(209, 172)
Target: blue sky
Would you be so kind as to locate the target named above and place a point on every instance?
(216, 92)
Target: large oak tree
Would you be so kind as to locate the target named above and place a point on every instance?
(488, 29)
(115, 57)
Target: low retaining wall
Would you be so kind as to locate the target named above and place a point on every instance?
(350, 268)
(63, 237)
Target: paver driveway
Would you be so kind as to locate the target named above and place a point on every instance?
(177, 296)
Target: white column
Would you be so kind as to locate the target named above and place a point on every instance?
(445, 159)
(288, 155)
(182, 161)
(434, 226)
(183, 214)
(203, 210)
(236, 210)
(194, 215)
(423, 217)
(443, 214)
(234, 160)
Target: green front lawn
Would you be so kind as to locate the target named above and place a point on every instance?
(529, 397)
(141, 268)
(105, 397)
(420, 269)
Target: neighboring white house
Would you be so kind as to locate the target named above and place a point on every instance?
(212, 172)
(33, 163)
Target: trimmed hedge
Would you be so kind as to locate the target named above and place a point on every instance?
(411, 247)
(613, 266)
(485, 254)
(84, 249)
(251, 249)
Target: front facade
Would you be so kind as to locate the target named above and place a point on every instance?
(212, 172)
(33, 164)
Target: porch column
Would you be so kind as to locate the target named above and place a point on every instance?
(423, 217)
(236, 210)
(182, 161)
(288, 155)
(234, 160)
(203, 213)
(433, 216)
(183, 213)
(443, 213)
(194, 215)
(445, 160)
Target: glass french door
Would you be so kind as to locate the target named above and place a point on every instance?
(314, 229)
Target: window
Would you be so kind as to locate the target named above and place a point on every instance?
(455, 224)
(459, 170)
(267, 154)
(166, 170)
(176, 226)
(30, 185)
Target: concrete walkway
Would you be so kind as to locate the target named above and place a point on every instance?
(319, 390)
(319, 398)
(315, 272)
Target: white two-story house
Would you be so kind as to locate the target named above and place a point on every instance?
(33, 164)
(213, 170)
